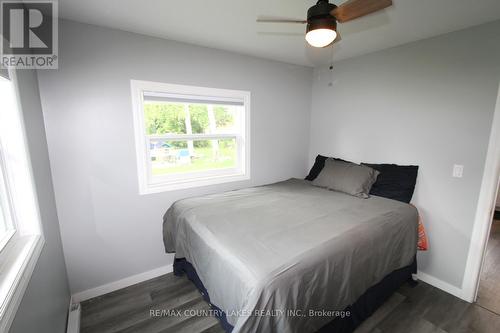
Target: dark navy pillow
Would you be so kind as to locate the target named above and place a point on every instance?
(394, 181)
(319, 164)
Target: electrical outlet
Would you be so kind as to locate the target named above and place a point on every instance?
(458, 171)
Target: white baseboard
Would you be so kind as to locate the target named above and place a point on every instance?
(440, 284)
(131, 280)
(74, 317)
(128, 281)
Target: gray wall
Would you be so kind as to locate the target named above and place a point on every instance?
(44, 307)
(109, 231)
(429, 103)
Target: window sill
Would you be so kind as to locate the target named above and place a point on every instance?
(6, 239)
(192, 183)
(18, 260)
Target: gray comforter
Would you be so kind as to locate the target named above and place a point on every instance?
(270, 255)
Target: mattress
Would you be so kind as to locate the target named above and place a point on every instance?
(289, 256)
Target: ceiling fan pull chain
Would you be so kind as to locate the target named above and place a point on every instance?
(330, 84)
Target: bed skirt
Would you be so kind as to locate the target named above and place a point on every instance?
(360, 310)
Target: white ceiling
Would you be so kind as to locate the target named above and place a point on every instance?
(230, 24)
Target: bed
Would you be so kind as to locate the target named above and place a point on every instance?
(292, 257)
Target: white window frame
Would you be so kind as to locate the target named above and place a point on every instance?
(20, 253)
(6, 204)
(149, 184)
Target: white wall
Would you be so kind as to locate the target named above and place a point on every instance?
(428, 103)
(45, 303)
(109, 232)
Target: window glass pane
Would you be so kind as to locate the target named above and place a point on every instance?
(200, 123)
(5, 224)
(227, 118)
(171, 157)
(169, 118)
(164, 118)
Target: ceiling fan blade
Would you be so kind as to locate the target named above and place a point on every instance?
(287, 34)
(353, 9)
(263, 19)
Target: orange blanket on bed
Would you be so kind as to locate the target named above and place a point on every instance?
(422, 244)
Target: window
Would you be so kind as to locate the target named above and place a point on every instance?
(21, 240)
(6, 226)
(189, 136)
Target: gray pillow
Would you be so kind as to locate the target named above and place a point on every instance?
(346, 177)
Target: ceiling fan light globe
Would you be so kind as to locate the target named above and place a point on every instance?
(321, 37)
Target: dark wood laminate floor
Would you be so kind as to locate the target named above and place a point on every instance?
(419, 309)
(488, 295)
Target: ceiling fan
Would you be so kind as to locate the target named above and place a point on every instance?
(322, 18)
